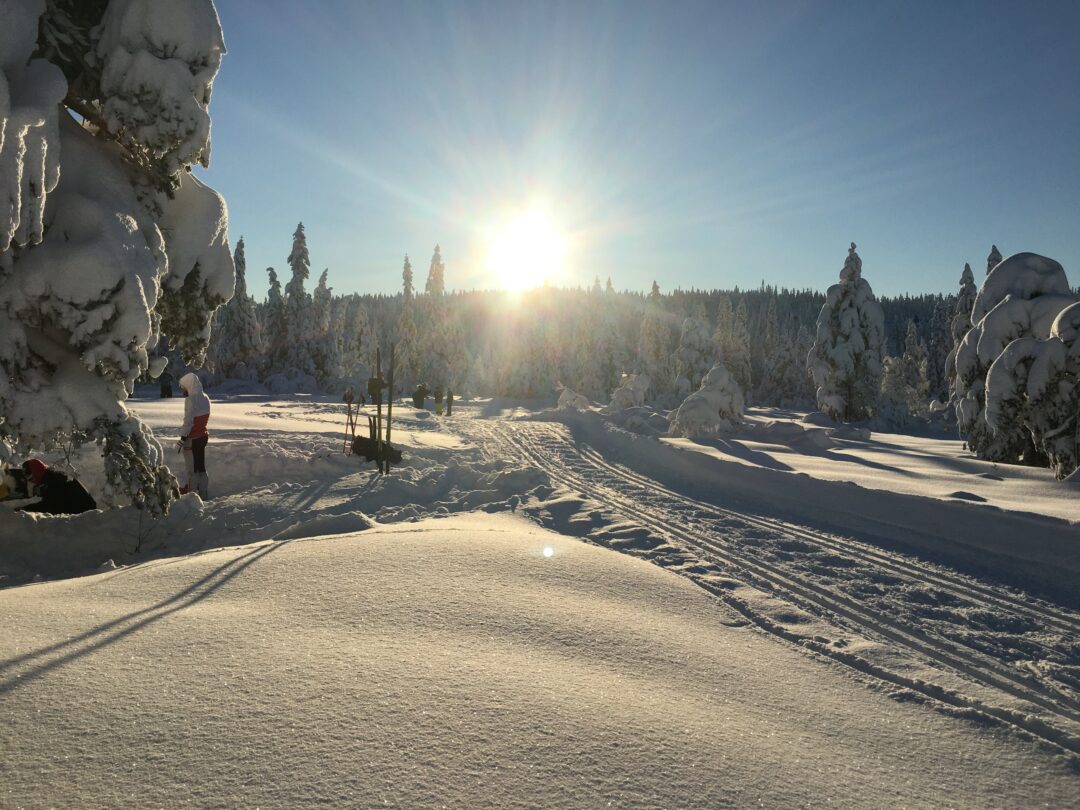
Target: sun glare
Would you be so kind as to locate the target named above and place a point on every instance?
(526, 251)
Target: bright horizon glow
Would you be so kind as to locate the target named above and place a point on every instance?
(526, 250)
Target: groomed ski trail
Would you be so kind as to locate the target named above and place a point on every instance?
(727, 552)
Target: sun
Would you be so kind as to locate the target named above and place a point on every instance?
(526, 251)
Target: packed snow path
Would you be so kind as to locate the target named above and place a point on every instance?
(973, 647)
(453, 663)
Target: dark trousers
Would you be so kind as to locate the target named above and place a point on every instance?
(198, 451)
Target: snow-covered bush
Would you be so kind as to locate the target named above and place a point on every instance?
(1021, 297)
(1035, 384)
(105, 241)
(716, 407)
(845, 360)
(630, 393)
(571, 400)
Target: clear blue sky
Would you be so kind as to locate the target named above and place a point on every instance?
(703, 145)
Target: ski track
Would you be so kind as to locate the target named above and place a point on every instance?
(928, 624)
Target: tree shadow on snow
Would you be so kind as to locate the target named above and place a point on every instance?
(115, 630)
(739, 450)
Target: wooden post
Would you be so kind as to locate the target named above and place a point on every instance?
(378, 409)
(389, 408)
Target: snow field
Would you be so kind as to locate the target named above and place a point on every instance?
(450, 663)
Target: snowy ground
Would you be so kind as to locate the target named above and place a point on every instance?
(450, 663)
(919, 648)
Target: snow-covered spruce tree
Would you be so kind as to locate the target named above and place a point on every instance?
(299, 327)
(845, 360)
(738, 359)
(326, 342)
(939, 347)
(436, 280)
(236, 339)
(960, 324)
(716, 407)
(913, 372)
(274, 325)
(357, 342)
(1035, 384)
(656, 345)
(407, 280)
(993, 259)
(770, 353)
(694, 356)
(106, 242)
(1020, 297)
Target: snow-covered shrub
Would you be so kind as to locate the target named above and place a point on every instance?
(1021, 297)
(571, 400)
(845, 360)
(1035, 384)
(105, 241)
(716, 407)
(630, 393)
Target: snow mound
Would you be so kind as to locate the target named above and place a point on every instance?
(793, 435)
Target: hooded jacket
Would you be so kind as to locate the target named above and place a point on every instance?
(196, 408)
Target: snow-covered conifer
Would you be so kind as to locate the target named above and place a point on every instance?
(236, 339)
(736, 357)
(694, 356)
(106, 242)
(274, 324)
(1021, 297)
(913, 372)
(716, 407)
(436, 280)
(845, 360)
(298, 316)
(656, 346)
(961, 321)
(1035, 384)
(407, 280)
(994, 259)
(938, 348)
(326, 342)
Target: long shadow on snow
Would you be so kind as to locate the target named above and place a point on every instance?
(119, 628)
(1034, 552)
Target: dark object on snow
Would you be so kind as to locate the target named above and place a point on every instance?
(449, 402)
(14, 486)
(419, 395)
(367, 447)
(166, 385)
(59, 493)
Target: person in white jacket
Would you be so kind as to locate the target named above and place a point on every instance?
(194, 435)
